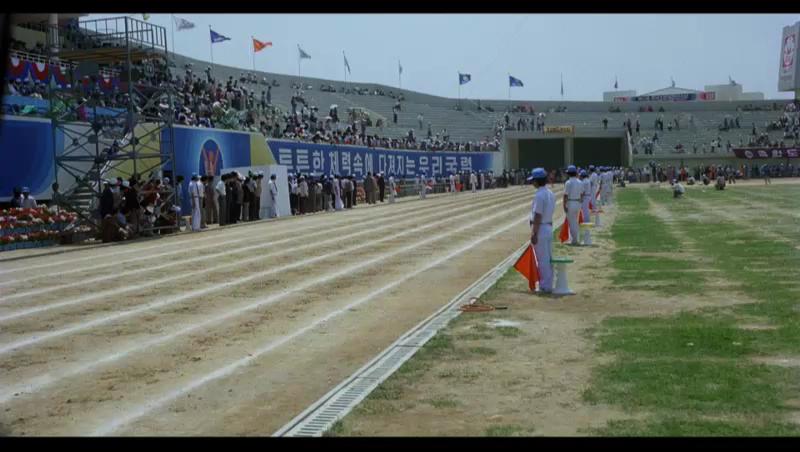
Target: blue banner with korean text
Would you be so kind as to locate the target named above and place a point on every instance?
(358, 161)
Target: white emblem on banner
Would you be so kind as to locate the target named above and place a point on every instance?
(285, 157)
(302, 160)
(436, 165)
(333, 159)
(368, 163)
(346, 163)
(358, 164)
(423, 164)
(450, 164)
(410, 166)
(317, 163)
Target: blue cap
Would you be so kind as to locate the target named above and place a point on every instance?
(537, 173)
(571, 169)
(583, 173)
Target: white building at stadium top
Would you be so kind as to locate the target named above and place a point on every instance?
(731, 91)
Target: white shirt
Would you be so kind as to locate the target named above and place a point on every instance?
(544, 202)
(573, 189)
(220, 188)
(195, 191)
(273, 189)
(593, 179)
(587, 190)
(28, 203)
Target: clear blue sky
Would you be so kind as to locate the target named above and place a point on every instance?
(642, 50)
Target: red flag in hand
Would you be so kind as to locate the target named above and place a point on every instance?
(259, 46)
(527, 266)
(563, 234)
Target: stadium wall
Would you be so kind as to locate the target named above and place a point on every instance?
(27, 153)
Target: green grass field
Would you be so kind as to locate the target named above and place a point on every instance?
(725, 361)
(694, 373)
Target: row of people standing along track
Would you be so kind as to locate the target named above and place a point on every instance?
(310, 193)
(585, 191)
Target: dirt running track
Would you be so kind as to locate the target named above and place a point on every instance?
(233, 332)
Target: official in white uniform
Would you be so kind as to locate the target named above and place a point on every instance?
(27, 201)
(273, 197)
(607, 180)
(541, 221)
(422, 187)
(594, 179)
(392, 188)
(196, 196)
(473, 181)
(483, 181)
(587, 198)
(337, 193)
(452, 183)
(573, 199)
(596, 188)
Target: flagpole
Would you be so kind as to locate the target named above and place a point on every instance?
(459, 90)
(345, 66)
(509, 87)
(172, 28)
(211, 45)
(254, 52)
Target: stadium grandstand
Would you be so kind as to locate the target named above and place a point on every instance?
(52, 54)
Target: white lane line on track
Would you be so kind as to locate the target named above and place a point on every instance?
(147, 407)
(39, 382)
(7, 348)
(238, 263)
(204, 257)
(112, 252)
(249, 237)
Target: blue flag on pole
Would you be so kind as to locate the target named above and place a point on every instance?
(216, 37)
(514, 81)
(464, 78)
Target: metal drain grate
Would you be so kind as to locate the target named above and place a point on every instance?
(335, 405)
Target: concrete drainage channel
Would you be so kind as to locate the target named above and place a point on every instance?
(338, 402)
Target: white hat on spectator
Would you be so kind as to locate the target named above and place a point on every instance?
(126, 183)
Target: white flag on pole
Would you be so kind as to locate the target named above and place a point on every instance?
(183, 24)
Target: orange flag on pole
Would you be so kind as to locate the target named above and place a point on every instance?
(259, 46)
(563, 234)
(528, 267)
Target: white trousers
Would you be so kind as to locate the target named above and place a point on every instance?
(573, 207)
(196, 216)
(543, 248)
(586, 219)
(473, 187)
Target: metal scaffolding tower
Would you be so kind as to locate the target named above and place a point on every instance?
(93, 141)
